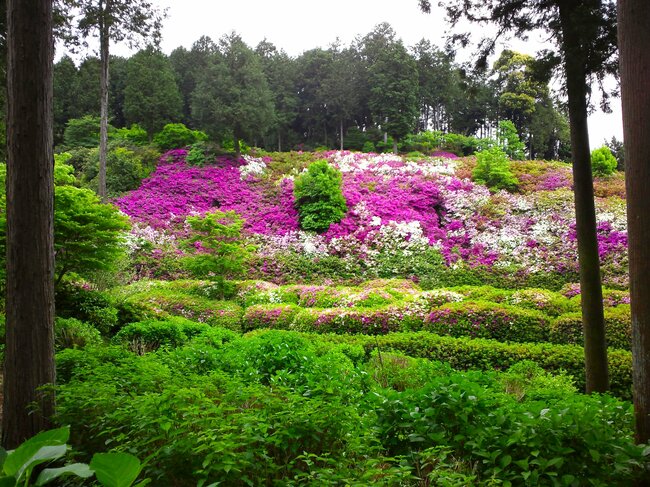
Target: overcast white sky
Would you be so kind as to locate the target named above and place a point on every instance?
(299, 25)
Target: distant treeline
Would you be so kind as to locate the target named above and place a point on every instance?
(368, 95)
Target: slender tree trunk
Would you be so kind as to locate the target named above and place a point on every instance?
(279, 142)
(395, 146)
(341, 129)
(237, 146)
(593, 320)
(29, 353)
(104, 40)
(634, 58)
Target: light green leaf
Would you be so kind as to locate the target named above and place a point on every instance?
(18, 457)
(44, 454)
(115, 469)
(79, 469)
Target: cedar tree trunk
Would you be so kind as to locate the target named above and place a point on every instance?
(29, 354)
(593, 320)
(104, 40)
(634, 58)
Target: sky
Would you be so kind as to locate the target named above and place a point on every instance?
(298, 25)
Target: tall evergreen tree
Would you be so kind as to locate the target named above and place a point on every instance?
(151, 96)
(111, 20)
(232, 96)
(281, 74)
(66, 93)
(393, 91)
(29, 340)
(634, 45)
(584, 32)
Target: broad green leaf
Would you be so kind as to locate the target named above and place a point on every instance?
(115, 469)
(44, 454)
(18, 457)
(79, 469)
(7, 481)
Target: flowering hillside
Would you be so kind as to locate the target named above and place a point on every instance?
(406, 218)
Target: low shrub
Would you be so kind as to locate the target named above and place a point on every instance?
(551, 303)
(568, 328)
(87, 305)
(73, 333)
(467, 353)
(147, 336)
(275, 316)
(482, 319)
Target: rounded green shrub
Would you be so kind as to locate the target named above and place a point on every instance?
(551, 303)
(482, 319)
(567, 328)
(146, 336)
(73, 333)
(176, 136)
(493, 170)
(319, 198)
(603, 162)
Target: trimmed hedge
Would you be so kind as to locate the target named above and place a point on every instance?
(477, 353)
(567, 329)
(482, 319)
(276, 316)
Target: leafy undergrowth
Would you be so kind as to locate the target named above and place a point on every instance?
(283, 408)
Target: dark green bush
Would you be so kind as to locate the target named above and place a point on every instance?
(483, 319)
(476, 353)
(618, 328)
(319, 198)
(72, 333)
(147, 336)
(176, 136)
(87, 305)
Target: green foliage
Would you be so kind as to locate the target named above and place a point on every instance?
(19, 465)
(146, 336)
(177, 135)
(487, 320)
(477, 353)
(493, 170)
(568, 328)
(73, 333)
(86, 232)
(509, 140)
(319, 198)
(134, 134)
(86, 305)
(82, 132)
(220, 248)
(603, 162)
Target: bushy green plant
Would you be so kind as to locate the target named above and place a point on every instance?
(319, 198)
(176, 136)
(19, 466)
(87, 305)
(603, 162)
(493, 169)
(133, 134)
(73, 333)
(82, 132)
(568, 328)
(476, 353)
(220, 249)
(146, 336)
(508, 138)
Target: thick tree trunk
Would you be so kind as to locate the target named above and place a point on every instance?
(29, 353)
(593, 320)
(104, 40)
(634, 58)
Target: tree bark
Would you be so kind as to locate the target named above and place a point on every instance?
(593, 320)
(634, 59)
(29, 352)
(341, 129)
(104, 41)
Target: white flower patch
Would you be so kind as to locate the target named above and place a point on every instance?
(254, 166)
(140, 236)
